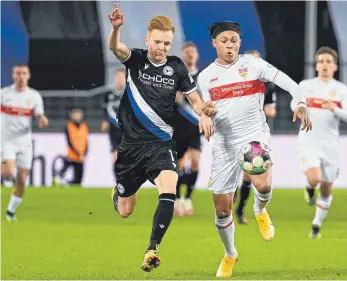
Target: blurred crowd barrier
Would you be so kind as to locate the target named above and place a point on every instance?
(50, 147)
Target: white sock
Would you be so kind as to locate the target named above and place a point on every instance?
(226, 231)
(322, 207)
(261, 201)
(14, 203)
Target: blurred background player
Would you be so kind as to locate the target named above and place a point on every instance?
(77, 133)
(146, 111)
(110, 106)
(327, 105)
(270, 113)
(19, 103)
(233, 83)
(187, 136)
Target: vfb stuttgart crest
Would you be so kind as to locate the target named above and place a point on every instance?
(243, 71)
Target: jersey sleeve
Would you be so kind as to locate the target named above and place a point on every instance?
(342, 112)
(202, 88)
(38, 109)
(186, 82)
(134, 58)
(267, 72)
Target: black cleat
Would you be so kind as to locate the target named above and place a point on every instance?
(114, 196)
(242, 219)
(10, 216)
(315, 232)
(309, 196)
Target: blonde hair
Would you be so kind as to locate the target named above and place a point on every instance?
(329, 51)
(163, 23)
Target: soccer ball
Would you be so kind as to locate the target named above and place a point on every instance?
(255, 158)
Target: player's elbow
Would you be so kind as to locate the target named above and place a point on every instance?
(293, 105)
(270, 111)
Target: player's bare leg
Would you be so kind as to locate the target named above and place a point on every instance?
(262, 197)
(313, 176)
(322, 207)
(7, 171)
(226, 230)
(123, 205)
(18, 193)
(244, 192)
(166, 184)
(179, 202)
(192, 177)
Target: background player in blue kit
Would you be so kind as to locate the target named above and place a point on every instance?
(110, 106)
(187, 136)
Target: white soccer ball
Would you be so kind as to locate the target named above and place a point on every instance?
(255, 158)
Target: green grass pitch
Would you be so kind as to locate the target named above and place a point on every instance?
(75, 234)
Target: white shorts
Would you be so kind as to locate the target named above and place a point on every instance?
(226, 174)
(325, 158)
(19, 151)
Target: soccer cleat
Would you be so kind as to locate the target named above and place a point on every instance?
(226, 266)
(315, 232)
(267, 230)
(151, 261)
(242, 219)
(179, 208)
(309, 197)
(188, 207)
(56, 181)
(10, 216)
(114, 197)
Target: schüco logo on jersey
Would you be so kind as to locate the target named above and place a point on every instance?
(156, 79)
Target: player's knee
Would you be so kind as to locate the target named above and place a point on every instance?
(264, 187)
(7, 176)
(125, 210)
(313, 180)
(124, 214)
(223, 213)
(7, 172)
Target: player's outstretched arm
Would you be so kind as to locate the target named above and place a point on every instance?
(208, 108)
(205, 123)
(119, 49)
(42, 121)
(282, 80)
(39, 112)
(300, 111)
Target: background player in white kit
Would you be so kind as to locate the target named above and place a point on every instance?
(18, 104)
(235, 84)
(327, 105)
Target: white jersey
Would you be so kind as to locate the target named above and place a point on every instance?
(325, 123)
(17, 109)
(238, 92)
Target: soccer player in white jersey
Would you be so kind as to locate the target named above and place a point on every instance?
(327, 105)
(18, 104)
(235, 84)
